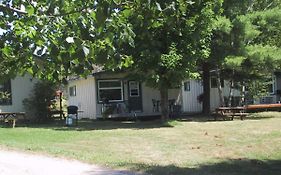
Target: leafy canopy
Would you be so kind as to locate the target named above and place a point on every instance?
(54, 39)
(170, 38)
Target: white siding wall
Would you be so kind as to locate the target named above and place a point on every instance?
(214, 95)
(21, 88)
(85, 97)
(190, 102)
(149, 93)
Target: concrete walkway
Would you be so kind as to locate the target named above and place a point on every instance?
(15, 163)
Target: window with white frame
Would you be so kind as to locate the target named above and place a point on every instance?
(72, 91)
(134, 88)
(110, 90)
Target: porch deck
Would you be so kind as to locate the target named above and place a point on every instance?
(133, 114)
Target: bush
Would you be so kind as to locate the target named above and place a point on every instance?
(41, 100)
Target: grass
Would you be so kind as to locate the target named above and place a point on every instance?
(193, 146)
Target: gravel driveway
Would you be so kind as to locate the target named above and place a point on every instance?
(15, 163)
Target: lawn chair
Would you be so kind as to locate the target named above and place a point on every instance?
(73, 110)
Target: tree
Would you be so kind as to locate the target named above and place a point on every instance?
(259, 40)
(161, 39)
(40, 101)
(246, 43)
(170, 38)
(55, 39)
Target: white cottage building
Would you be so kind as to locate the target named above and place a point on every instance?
(129, 97)
(18, 89)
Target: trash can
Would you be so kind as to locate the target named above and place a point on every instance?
(69, 120)
(72, 114)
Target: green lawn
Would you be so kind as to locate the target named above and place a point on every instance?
(199, 146)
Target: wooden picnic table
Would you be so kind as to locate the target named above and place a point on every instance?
(231, 112)
(10, 117)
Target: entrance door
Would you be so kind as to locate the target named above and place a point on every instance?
(191, 90)
(134, 96)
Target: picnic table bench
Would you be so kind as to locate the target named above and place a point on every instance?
(57, 113)
(231, 112)
(11, 117)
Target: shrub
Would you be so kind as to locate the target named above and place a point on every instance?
(40, 101)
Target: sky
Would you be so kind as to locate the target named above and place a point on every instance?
(1, 31)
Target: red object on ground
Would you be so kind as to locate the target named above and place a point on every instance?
(263, 106)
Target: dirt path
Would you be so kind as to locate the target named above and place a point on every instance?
(15, 163)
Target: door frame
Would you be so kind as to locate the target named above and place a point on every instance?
(140, 95)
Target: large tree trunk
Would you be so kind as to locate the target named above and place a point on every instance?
(243, 92)
(206, 88)
(220, 88)
(164, 103)
(230, 97)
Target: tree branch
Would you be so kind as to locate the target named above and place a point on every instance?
(269, 5)
(12, 9)
(67, 13)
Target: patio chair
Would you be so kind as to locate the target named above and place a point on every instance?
(156, 104)
(171, 105)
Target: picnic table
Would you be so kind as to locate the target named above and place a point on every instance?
(57, 113)
(231, 112)
(10, 117)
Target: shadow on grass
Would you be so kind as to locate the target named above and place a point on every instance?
(88, 125)
(211, 117)
(229, 167)
(251, 117)
(142, 123)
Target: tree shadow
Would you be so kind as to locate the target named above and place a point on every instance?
(199, 118)
(130, 123)
(88, 125)
(228, 167)
(251, 117)
(211, 118)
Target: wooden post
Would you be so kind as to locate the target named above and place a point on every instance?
(206, 88)
(60, 96)
(221, 96)
(14, 123)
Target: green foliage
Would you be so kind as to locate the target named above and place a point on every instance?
(40, 101)
(170, 37)
(257, 88)
(251, 49)
(171, 75)
(54, 39)
(246, 43)
(222, 24)
(59, 38)
(4, 95)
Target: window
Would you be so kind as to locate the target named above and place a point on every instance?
(214, 83)
(5, 93)
(134, 87)
(270, 88)
(72, 91)
(110, 90)
(186, 86)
